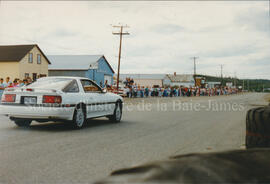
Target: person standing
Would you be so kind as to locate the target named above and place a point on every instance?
(147, 91)
(15, 83)
(29, 80)
(7, 82)
(2, 84)
(126, 91)
(106, 84)
(20, 82)
(142, 92)
(2, 87)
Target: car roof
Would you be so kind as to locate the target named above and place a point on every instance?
(68, 77)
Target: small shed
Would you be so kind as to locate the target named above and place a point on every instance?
(95, 67)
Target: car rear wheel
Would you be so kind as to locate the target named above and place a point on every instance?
(22, 122)
(117, 115)
(79, 118)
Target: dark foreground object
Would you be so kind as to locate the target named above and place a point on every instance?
(258, 127)
(242, 166)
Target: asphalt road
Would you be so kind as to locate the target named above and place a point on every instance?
(151, 129)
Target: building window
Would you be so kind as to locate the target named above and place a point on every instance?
(38, 59)
(26, 75)
(30, 59)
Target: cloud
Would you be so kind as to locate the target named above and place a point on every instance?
(164, 35)
(63, 33)
(243, 50)
(254, 18)
(167, 28)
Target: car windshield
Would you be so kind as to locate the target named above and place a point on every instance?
(50, 83)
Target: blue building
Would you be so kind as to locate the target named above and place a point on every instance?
(95, 67)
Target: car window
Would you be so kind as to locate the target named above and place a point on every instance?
(50, 83)
(89, 86)
(72, 87)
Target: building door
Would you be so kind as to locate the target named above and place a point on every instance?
(108, 78)
(34, 76)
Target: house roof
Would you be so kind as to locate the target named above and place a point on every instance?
(143, 76)
(17, 52)
(180, 78)
(75, 62)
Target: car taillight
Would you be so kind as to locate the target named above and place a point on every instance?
(8, 98)
(52, 99)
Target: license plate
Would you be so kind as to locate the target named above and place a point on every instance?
(30, 100)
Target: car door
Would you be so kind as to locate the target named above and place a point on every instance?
(72, 93)
(94, 99)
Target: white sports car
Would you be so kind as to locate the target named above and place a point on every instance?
(60, 98)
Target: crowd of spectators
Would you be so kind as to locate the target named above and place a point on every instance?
(132, 90)
(8, 83)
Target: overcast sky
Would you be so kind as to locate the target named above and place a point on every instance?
(164, 35)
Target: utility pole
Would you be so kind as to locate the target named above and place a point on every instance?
(121, 33)
(221, 74)
(194, 60)
(235, 79)
(221, 71)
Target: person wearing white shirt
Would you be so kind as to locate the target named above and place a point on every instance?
(7, 82)
(2, 87)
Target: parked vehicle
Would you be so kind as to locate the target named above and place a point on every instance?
(60, 98)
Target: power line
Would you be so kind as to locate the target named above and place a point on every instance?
(121, 33)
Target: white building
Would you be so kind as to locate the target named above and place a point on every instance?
(185, 80)
(146, 80)
(212, 84)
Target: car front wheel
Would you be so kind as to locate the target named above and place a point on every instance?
(117, 115)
